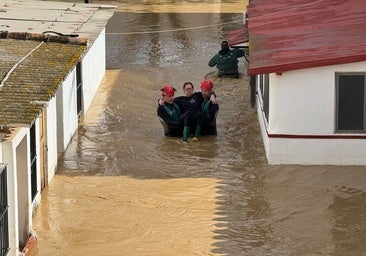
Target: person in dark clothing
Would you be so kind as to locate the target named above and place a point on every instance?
(208, 109)
(226, 60)
(169, 112)
(191, 104)
(190, 110)
(191, 113)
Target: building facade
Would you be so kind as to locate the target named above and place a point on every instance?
(307, 62)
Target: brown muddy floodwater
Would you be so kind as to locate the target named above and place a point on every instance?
(122, 188)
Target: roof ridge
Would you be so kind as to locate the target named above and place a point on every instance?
(46, 37)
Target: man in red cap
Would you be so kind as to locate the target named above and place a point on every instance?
(208, 108)
(207, 86)
(169, 112)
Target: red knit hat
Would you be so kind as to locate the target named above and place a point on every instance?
(167, 90)
(206, 85)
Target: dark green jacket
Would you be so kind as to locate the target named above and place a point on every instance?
(226, 61)
(170, 113)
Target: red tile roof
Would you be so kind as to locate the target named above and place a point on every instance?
(238, 36)
(288, 35)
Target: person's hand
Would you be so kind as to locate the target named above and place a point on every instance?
(213, 99)
(161, 102)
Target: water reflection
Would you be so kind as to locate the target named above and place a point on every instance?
(168, 39)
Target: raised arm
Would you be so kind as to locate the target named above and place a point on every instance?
(212, 61)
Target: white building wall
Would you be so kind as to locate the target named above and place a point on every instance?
(67, 118)
(93, 70)
(24, 190)
(15, 151)
(52, 155)
(317, 151)
(263, 124)
(303, 103)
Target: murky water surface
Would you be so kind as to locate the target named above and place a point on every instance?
(124, 189)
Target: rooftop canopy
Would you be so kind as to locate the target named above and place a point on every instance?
(289, 35)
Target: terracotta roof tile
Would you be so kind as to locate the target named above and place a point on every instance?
(288, 35)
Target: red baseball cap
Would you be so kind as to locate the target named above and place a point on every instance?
(206, 85)
(167, 90)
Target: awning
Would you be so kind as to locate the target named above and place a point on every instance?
(238, 36)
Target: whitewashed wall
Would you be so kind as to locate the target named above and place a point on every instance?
(321, 151)
(263, 124)
(67, 118)
(93, 70)
(52, 155)
(302, 102)
(15, 152)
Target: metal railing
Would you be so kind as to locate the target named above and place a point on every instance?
(4, 229)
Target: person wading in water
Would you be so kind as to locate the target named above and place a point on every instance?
(190, 111)
(226, 60)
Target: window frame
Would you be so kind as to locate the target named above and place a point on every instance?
(263, 84)
(337, 98)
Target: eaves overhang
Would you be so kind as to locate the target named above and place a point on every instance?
(281, 68)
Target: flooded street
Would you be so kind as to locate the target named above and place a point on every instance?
(123, 188)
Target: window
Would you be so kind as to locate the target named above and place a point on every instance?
(33, 158)
(79, 89)
(264, 92)
(4, 231)
(350, 93)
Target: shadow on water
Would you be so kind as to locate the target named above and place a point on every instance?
(260, 209)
